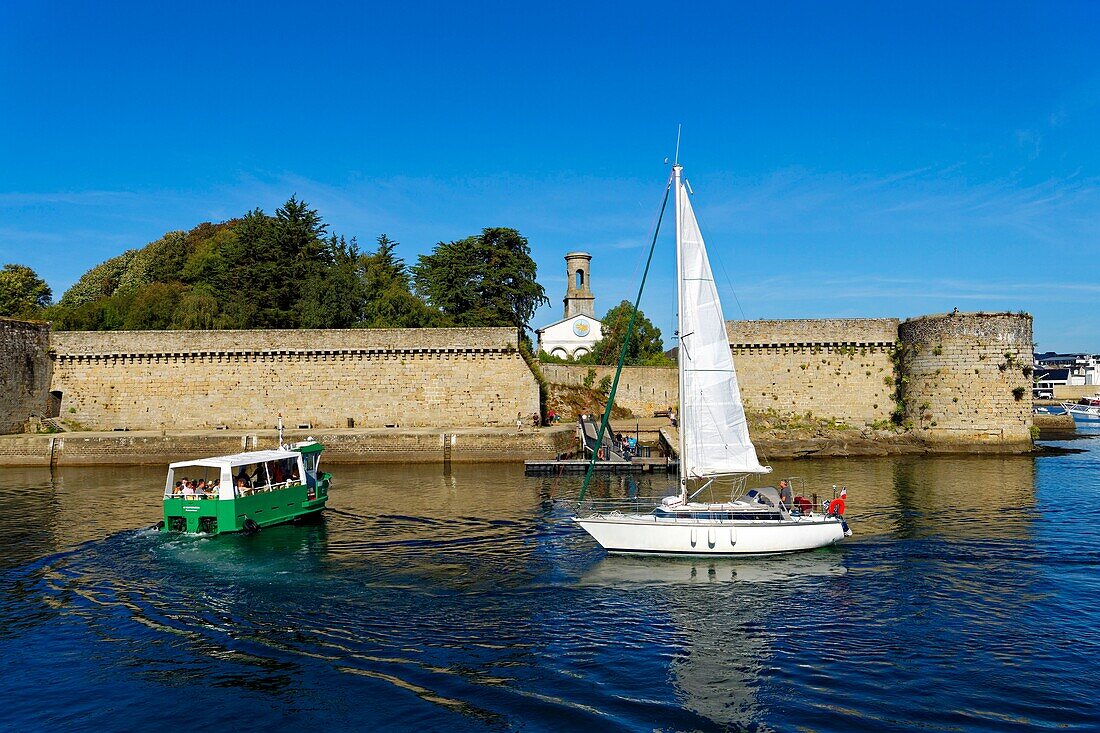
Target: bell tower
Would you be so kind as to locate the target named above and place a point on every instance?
(579, 299)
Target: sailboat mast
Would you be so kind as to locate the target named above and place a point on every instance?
(680, 356)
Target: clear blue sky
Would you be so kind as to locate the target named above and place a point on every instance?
(848, 159)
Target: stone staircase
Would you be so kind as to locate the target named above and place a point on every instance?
(54, 424)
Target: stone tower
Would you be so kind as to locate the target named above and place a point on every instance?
(968, 377)
(579, 300)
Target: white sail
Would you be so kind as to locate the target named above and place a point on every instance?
(714, 433)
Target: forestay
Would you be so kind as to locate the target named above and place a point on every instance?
(715, 433)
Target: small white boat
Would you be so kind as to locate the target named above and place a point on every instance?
(714, 444)
(1085, 411)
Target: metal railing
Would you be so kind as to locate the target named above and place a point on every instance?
(237, 491)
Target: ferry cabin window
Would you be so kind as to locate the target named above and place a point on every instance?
(195, 482)
(311, 462)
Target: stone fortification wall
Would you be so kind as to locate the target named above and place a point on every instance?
(968, 377)
(24, 373)
(1075, 391)
(642, 390)
(244, 379)
(839, 368)
(469, 445)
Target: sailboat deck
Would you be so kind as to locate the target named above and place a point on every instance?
(712, 519)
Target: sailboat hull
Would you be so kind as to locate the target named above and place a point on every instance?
(647, 534)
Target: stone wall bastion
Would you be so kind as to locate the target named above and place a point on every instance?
(966, 377)
(24, 373)
(839, 369)
(148, 380)
(961, 381)
(834, 368)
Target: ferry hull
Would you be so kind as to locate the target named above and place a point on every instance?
(644, 534)
(264, 509)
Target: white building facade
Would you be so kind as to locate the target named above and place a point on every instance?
(574, 335)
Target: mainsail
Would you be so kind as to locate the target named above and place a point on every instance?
(714, 433)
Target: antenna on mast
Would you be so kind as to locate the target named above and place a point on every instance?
(677, 159)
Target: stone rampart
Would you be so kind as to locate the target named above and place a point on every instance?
(839, 368)
(1075, 391)
(642, 390)
(967, 377)
(142, 380)
(24, 373)
(470, 445)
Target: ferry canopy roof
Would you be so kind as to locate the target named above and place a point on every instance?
(238, 459)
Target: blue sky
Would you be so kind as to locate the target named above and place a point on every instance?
(848, 159)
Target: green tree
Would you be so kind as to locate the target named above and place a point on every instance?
(646, 346)
(275, 256)
(484, 280)
(99, 282)
(153, 307)
(389, 300)
(23, 294)
(256, 271)
(197, 309)
(332, 295)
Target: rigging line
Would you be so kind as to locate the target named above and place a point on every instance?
(654, 223)
(729, 282)
(626, 344)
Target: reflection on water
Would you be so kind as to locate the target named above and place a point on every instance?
(725, 628)
(467, 600)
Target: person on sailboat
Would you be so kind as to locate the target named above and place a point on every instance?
(785, 495)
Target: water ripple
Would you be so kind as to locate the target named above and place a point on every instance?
(965, 601)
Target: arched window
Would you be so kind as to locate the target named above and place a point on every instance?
(560, 353)
(581, 351)
(580, 279)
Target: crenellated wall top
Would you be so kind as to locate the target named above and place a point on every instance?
(92, 343)
(813, 332)
(1002, 327)
(19, 324)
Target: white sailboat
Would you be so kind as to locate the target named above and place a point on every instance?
(1085, 411)
(715, 446)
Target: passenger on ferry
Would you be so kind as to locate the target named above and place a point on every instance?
(189, 492)
(243, 488)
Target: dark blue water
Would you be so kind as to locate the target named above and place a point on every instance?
(968, 600)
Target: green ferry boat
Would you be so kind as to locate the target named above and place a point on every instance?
(245, 491)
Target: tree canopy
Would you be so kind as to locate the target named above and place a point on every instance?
(23, 294)
(288, 270)
(484, 280)
(646, 347)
